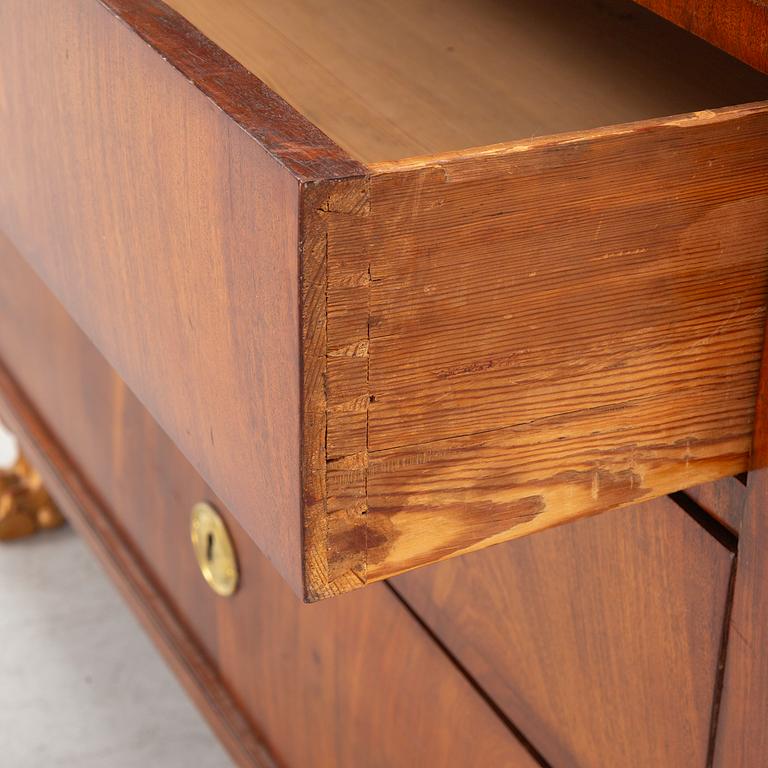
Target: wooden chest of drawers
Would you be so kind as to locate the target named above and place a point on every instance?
(497, 266)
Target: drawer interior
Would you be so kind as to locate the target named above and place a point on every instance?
(389, 79)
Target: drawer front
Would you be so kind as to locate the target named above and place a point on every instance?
(160, 203)
(723, 499)
(600, 639)
(350, 682)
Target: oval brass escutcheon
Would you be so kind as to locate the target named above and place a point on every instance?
(214, 549)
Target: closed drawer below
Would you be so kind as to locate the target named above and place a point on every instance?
(600, 639)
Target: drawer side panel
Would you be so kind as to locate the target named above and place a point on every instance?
(554, 329)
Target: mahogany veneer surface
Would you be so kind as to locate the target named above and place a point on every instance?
(351, 682)
(376, 367)
(737, 26)
(601, 640)
(723, 499)
(742, 738)
(170, 234)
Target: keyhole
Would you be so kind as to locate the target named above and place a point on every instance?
(213, 548)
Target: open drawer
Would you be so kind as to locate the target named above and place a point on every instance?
(499, 265)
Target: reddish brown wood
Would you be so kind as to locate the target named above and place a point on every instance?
(742, 736)
(282, 131)
(377, 368)
(723, 499)
(600, 640)
(354, 681)
(759, 458)
(86, 512)
(168, 224)
(739, 27)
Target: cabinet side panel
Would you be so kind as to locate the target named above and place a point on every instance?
(741, 739)
(171, 236)
(739, 27)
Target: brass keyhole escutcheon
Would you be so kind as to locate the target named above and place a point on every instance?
(214, 549)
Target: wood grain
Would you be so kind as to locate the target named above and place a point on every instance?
(380, 367)
(285, 134)
(169, 228)
(741, 736)
(86, 512)
(600, 640)
(335, 535)
(723, 500)
(759, 458)
(354, 681)
(388, 79)
(539, 331)
(739, 27)
(742, 740)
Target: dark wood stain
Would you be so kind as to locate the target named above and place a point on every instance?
(282, 131)
(739, 27)
(350, 682)
(599, 640)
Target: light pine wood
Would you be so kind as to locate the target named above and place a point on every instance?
(335, 396)
(601, 640)
(387, 79)
(524, 335)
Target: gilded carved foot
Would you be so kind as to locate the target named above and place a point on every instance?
(25, 506)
